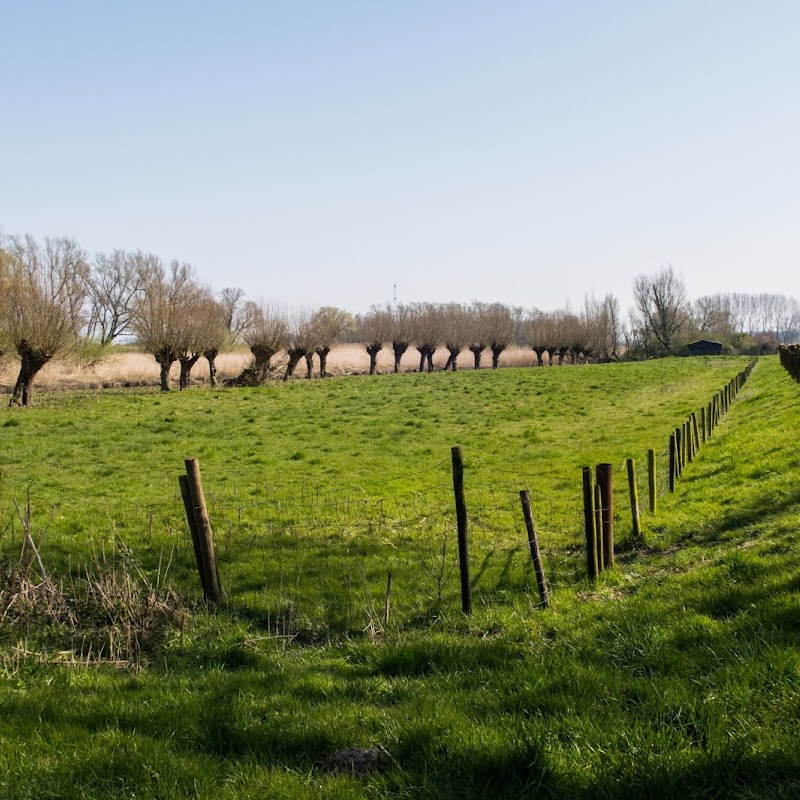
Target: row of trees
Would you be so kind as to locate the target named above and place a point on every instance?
(54, 298)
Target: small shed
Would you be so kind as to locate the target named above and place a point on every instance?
(704, 347)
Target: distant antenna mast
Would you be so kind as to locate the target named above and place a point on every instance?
(394, 287)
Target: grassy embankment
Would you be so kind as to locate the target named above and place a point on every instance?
(676, 675)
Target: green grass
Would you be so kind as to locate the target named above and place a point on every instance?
(676, 675)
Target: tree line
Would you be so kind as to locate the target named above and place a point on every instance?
(56, 299)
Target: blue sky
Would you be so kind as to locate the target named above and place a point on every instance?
(320, 152)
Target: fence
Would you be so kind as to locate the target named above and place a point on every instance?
(685, 443)
(298, 561)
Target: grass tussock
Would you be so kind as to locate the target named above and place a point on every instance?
(103, 614)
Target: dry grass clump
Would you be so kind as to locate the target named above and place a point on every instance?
(106, 614)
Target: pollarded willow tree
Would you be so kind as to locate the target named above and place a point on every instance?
(428, 328)
(375, 328)
(330, 325)
(402, 332)
(266, 334)
(456, 327)
(162, 315)
(44, 293)
(202, 333)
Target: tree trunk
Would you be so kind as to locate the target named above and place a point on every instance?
(373, 350)
(29, 366)
(429, 355)
(496, 351)
(309, 357)
(294, 360)
(421, 351)
(399, 349)
(451, 362)
(211, 357)
(476, 352)
(165, 358)
(187, 362)
(322, 352)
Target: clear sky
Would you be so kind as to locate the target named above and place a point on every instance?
(320, 151)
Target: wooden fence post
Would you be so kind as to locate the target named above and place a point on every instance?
(598, 528)
(703, 423)
(696, 434)
(673, 462)
(461, 519)
(588, 524)
(687, 438)
(541, 582)
(709, 421)
(636, 525)
(678, 451)
(605, 479)
(183, 481)
(205, 536)
(651, 478)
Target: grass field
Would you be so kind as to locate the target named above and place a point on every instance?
(675, 675)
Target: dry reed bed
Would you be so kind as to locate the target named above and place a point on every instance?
(128, 369)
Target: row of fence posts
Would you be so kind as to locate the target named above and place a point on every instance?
(598, 504)
(684, 445)
(203, 539)
(687, 439)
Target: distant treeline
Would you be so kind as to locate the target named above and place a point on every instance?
(56, 299)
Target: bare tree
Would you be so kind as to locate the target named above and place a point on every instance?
(202, 332)
(330, 325)
(501, 330)
(301, 341)
(44, 294)
(456, 326)
(162, 314)
(216, 335)
(711, 314)
(428, 327)
(402, 332)
(238, 311)
(267, 333)
(113, 288)
(533, 333)
(478, 329)
(375, 328)
(662, 303)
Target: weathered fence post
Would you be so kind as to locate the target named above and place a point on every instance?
(205, 537)
(696, 433)
(604, 478)
(673, 462)
(588, 523)
(710, 421)
(636, 526)
(651, 478)
(541, 582)
(461, 520)
(703, 423)
(183, 481)
(598, 528)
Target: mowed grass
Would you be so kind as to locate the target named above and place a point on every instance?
(676, 675)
